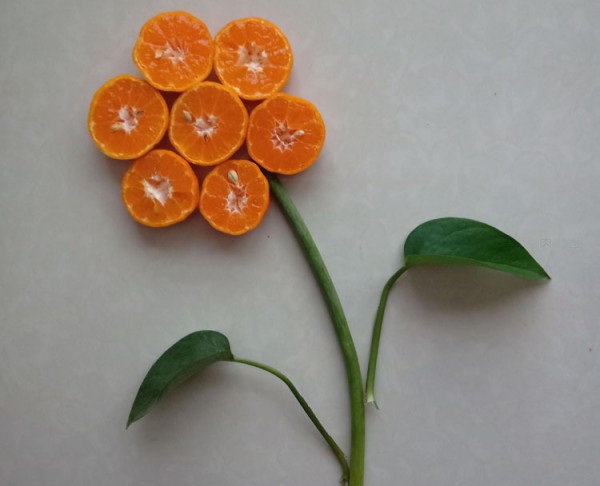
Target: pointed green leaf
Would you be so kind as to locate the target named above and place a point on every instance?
(178, 363)
(459, 241)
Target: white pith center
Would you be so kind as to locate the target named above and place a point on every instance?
(236, 202)
(253, 58)
(129, 117)
(204, 125)
(283, 137)
(175, 54)
(237, 199)
(158, 188)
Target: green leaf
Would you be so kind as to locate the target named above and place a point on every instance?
(459, 241)
(178, 363)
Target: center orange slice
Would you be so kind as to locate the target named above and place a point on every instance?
(253, 57)
(160, 189)
(234, 197)
(174, 51)
(208, 123)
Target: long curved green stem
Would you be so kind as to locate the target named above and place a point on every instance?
(311, 415)
(370, 388)
(336, 312)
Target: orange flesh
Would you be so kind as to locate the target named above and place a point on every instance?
(234, 197)
(174, 51)
(160, 189)
(253, 57)
(127, 117)
(208, 124)
(285, 134)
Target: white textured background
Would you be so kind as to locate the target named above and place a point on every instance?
(482, 109)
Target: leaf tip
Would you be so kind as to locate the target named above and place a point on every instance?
(134, 416)
(540, 274)
(130, 420)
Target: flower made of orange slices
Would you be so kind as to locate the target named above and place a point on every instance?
(207, 124)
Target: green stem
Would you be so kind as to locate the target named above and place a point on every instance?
(370, 389)
(336, 312)
(311, 415)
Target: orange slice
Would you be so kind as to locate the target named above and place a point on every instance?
(208, 123)
(174, 51)
(234, 197)
(253, 57)
(160, 189)
(127, 117)
(285, 134)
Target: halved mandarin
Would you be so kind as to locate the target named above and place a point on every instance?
(160, 189)
(253, 57)
(174, 51)
(127, 117)
(208, 123)
(285, 134)
(234, 197)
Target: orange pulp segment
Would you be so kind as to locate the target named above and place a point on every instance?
(234, 197)
(208, 123)
(127, 117)
(253, 57)
(160, 189)
(285, 134)
(174, 51)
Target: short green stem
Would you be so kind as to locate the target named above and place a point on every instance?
(370, 388)
(340, 324)
(311, 415)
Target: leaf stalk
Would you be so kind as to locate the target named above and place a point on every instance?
(339, 454)
(370, 387)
